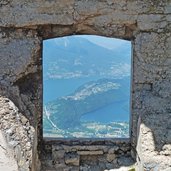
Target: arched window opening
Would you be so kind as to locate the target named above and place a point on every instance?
(86, 87)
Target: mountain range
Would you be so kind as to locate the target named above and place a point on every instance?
(83, 78)
(75, 57)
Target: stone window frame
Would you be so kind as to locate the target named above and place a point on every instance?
(50, 145)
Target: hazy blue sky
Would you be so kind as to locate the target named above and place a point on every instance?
(110, 43)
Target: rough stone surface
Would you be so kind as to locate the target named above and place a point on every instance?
(23, 26)
(88, 157)
(7, 160)
(19, 135)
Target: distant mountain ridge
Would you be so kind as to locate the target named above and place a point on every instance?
(74, 57)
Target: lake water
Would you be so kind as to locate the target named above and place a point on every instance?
(114, 112)
(54, 88)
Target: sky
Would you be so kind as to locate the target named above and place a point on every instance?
(106, 42)
(109, 43)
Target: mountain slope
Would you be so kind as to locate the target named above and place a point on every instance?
(65, 112)
(73, 57)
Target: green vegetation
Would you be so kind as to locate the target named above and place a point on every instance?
(132, 169)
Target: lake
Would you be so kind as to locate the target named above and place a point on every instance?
(55, 88)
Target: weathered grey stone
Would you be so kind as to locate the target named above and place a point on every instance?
(151, 166)
(113, 150)
(23, 26)
(125, 161)
(168, 169)
(13, 143)
(111, 157)
(24, 120)
(16, 134)
(90, 152)
(72, 159)
(58, 154)
(168, 9)
(85, 148)
(148, 22)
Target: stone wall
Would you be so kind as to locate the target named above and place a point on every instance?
(18, 133)
(20, 92)
(147, 23)
(86, 155)
(153, 99)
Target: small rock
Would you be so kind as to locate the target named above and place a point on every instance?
(113, 150)
(125, 161)
(110, 157)
(58, 154)
(72, 159)
(99, 152)
(13, 143)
